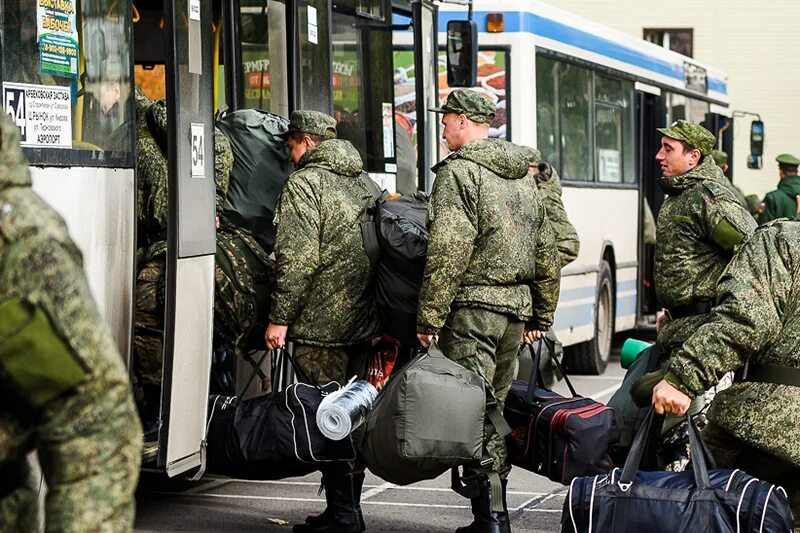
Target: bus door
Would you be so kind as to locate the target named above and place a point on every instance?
(650, 115)
(191, 234)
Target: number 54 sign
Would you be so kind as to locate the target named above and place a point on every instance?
(198, 150)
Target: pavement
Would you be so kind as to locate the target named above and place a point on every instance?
(216, 504)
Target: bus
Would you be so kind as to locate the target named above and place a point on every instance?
(69, 71)
(590, 99)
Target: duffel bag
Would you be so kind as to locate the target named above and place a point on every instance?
(554, 436)
(272, 436)
(426, 420)
(703, 499)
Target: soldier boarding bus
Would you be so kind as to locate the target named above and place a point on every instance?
(75, 72)
(590, 99)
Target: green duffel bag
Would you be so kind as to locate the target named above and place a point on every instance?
(429, 418)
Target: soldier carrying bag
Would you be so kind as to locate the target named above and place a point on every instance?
(557, 437)
(703, 499)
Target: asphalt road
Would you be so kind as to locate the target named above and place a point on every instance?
(222, 504)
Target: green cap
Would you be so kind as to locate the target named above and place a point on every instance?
(694, 135)
(720, 158)
(313, 123)
(474, 105)
(533, 155)
(788, 160)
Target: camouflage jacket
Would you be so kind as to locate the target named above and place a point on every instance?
(59, 366)
(550, 191)
(490, 244)
(756, 319)
(698, 227)
(324, 278)
(151, 166)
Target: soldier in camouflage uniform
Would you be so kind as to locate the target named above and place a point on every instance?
(323, 300)
(698, 227)
(64, 390)
(492, 269)
(756, 321)
(721, 160)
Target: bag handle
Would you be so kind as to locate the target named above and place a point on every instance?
(700, 455)
(535, 381)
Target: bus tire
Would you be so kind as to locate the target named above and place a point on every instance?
(591, 357)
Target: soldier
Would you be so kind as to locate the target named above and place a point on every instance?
(322, 300)
(698, 227)
(492, 269)
(549, 184)
(753, 424)
(721, 160)
(64, 390)
(783, 202)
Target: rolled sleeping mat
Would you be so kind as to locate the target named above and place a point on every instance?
(344, 410)
(631, 350)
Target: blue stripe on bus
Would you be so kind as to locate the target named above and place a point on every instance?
(583, 315)
(589, 291)
(516, 21)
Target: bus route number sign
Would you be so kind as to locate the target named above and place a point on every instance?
(198, 150)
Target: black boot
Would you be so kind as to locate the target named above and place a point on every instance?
(343, 511)
(484, 519)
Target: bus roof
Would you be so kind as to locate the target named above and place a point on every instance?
(564, 32)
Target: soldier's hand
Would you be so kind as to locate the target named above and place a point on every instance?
(529, 336)
(660, 319)
(275, 336)
(670, 401)
(425, 339)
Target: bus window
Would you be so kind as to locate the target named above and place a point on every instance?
(315, 64)
(348, 97)
(546, 105)
(685, 108)
(264, 71)
(613, 124)
(67, 80)
(576, 123)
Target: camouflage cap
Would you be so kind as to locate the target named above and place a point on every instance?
(313, 123)
(694, 135)
(473, 105)
(720, 157)
(787, 160)
(533, 155)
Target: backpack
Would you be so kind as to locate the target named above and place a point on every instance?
(260, 168)
(396, 242)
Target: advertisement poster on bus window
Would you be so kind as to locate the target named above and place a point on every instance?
(43, 114)
(58, 37)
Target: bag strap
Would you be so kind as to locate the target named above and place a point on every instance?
(369, 237)
(535, 381)
(551, 345)
(253, 374)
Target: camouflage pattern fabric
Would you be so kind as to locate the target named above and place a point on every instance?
(757, 318)
(152, 169)
(567, 240)
(486, 343)
(738, 194)
(323, 365)
(471, 104)
(698, 228)
(694, 135)
(88, 437)
(730, 452)
(478, 255)
(323, 274)
(244, 279)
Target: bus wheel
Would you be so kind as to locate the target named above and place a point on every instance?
(591, 357)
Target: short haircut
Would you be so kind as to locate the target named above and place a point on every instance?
(788, 169)
(297, 136)
(686, 146)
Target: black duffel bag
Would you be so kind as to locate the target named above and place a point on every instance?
(715, 500)
(274, 436)
(554, 436)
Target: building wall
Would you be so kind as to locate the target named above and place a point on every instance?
(757, 45)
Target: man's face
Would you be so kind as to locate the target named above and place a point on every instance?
(109, 95)
(297, 149)
(673, 160)
(454, 130)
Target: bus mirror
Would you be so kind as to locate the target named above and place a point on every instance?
(462, 53)
(754, 161)
(756, 140)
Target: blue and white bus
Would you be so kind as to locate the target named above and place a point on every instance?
(590, 98)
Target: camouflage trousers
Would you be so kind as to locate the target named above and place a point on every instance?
(19, 506)
(148, 339)
(486, 343)
(730, 452)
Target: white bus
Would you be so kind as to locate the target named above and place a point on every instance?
(590, 98)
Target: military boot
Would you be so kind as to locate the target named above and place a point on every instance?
(484, 519)
(343, 511)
